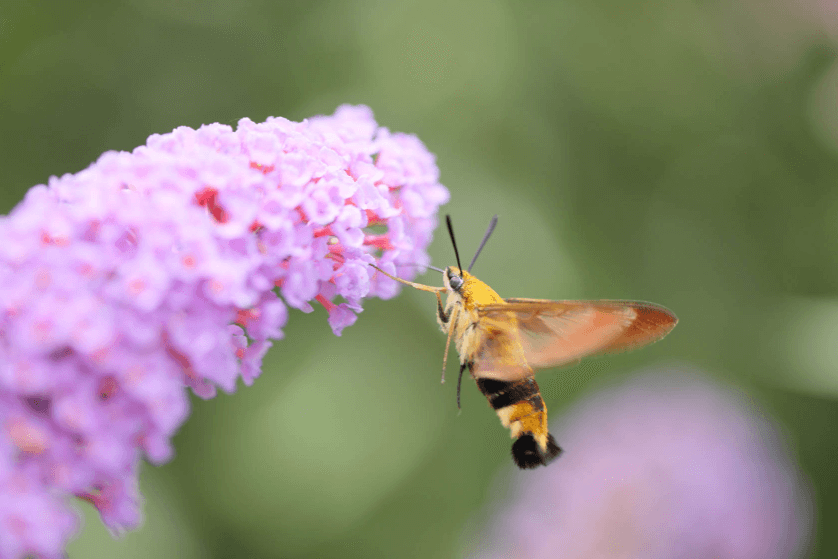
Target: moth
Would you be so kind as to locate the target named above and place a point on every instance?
(503, 341)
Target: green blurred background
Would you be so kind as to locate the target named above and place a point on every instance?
(681, 152)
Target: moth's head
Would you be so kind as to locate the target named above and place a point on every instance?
(453, 278)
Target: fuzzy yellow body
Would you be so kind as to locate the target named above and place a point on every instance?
(527, 415)
(462, 306)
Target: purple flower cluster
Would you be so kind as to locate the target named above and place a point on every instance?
(173, 267)
(666, 466)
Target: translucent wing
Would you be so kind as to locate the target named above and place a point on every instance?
(526, 334)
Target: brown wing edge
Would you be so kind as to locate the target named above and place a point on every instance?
(652, 323)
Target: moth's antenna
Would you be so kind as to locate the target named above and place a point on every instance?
(453, 242)
(483, 242)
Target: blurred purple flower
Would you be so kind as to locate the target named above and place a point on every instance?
(666, 466)
(171, 267)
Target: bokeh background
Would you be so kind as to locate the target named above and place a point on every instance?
(681, 152)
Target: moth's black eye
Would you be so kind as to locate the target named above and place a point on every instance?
(456, 282)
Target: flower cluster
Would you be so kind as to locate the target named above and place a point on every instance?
(173, 266)
(667, 465)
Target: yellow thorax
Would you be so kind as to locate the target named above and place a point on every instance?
(476, 293)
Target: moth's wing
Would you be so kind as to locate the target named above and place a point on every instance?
(525, 334)
(584, 327)
(499, 354)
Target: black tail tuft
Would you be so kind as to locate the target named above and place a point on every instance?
(527, 454)
(553, 450)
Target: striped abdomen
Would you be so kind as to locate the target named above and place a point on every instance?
(521, 409)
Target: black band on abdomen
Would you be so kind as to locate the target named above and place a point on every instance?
(502, 394)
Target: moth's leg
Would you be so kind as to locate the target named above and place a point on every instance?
(443, 316)
(460, 381)
(451, 326)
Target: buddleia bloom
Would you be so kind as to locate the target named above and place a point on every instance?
(667, 465)
(174, 266)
